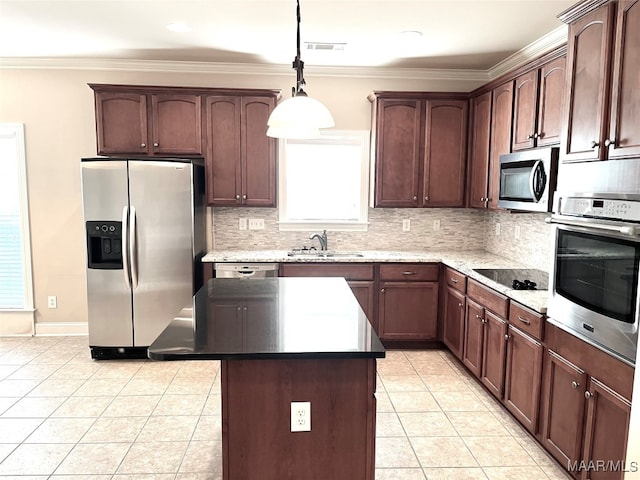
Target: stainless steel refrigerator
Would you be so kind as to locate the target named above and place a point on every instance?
(145, 237)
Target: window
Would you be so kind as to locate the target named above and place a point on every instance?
(324, 182)
(15, 260)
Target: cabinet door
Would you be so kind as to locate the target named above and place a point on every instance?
(525, 103)
(222, 115)
(479, 150)
(364, 293)
(225, 333)
(176, 124)
(445, 153)
(121, 123)
(624, 134)
(501, 113)
(523, 378)
(398, 154)
(258, 152)
(588, 58)
(408, 310)
(562, 423)
(258, 328)
(494, 352)
(606, 430)
(453, 328)
(550, 101)
(473, 337)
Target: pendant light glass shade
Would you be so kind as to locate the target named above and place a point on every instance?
(299, 116)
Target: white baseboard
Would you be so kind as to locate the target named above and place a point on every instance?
(62, 329)
(17, 323)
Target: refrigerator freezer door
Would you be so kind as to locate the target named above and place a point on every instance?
(105, 195)
(162, 260)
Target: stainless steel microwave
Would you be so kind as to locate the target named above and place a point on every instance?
(528, 179)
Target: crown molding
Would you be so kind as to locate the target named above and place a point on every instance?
(544, 44)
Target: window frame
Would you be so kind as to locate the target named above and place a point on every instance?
(362, 223)
(16, 131)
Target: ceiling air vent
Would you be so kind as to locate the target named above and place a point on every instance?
(325, 46)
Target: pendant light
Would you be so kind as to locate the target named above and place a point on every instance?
(299, 116)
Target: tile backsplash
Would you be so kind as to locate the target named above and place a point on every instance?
(459, 229)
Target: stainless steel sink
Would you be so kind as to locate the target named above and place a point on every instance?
(323, 254)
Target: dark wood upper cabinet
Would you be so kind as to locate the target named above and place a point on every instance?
(624, 133)
(501, 120)
(586, 106)
(523, 378)
(419, 143)
(240, 159)
(131, 121)
(537, 113)
(479, 139)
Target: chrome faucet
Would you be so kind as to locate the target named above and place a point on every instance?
(321, 238)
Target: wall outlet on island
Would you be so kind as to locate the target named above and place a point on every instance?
(300, 416)
(256, 224)
(406, 225)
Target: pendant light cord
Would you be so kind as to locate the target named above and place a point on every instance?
(298, 64)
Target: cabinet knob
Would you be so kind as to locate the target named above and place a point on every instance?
(587, 395)
(415, 197)
(507, 337)
(539, 134)
(595, 144)
(143, 145)
(531, 136)
(608, 143)
(156, 144)
(244, 197)
(460, 305)
(426, 198)
(484, 320)
(575, 384)
(237, 197)
(382, 290)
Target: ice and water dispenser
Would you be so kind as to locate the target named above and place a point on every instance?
(104, 245)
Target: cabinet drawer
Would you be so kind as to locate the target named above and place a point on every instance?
(410, 272)
(526, 320)
(455, 279)
(488, 298)
(362, 271)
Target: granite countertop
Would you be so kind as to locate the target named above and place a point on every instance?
(463, 261)
(270, 318)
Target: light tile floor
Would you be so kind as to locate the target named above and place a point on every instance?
(64, 416)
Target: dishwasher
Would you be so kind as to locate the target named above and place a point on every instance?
(245, 270)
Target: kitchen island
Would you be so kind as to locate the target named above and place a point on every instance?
(284, 340)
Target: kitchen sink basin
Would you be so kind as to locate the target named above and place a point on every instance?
(517, 278)
(323, 254)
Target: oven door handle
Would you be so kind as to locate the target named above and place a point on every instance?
(631, 231)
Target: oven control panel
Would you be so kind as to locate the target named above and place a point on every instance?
(626, 210)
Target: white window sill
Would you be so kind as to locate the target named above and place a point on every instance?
(320, 225)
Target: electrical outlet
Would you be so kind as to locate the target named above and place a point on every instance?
(242, 224)
(436, 225)
(517, 232)
(497, 229)
(406, 225)
(52, 301)
(300, 416)
(256, 224)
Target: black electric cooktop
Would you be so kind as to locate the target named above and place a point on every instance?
(517, 278)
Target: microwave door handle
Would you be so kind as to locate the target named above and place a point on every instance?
(631, 231)
(535, 182)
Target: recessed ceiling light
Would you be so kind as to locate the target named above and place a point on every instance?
(178, 27)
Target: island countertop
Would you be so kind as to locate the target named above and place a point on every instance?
(270, 318)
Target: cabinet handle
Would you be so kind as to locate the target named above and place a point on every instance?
(587, 395)
(575, 384)
(156, 144)
(482, 199)
(454, 280)
(143, 145)
(524, 320)
(408, 273)
(608, 143)
(531, 136)
(539, 134)
(595, 144)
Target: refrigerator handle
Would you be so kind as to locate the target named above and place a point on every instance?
(133, 248)
(125, 256)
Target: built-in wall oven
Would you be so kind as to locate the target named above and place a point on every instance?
(595, 272)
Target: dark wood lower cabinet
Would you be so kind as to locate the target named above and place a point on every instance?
(453, 325)
(364, 291)
(473, 337)
(493, 353)
(565, 385)
(408, 310)
(523, 377)
(606, 432)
